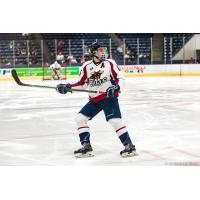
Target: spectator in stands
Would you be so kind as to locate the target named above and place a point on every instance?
(33, 52)
(128, 52)
(60, 58)
(120, 49)
(34, 59)
(11, 44)
(18, 51)
(23, 51)
(144, 59)
(85, 58)
(6, 61)
(128, 56)
(52, 57)
(60, 47)
(191, 61)
(23, 56)
(71, 59)
(33, 55)
(25, 36)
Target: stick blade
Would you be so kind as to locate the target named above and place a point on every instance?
(15, 77)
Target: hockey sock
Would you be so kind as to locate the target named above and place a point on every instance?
(84, 137)
(125, 139)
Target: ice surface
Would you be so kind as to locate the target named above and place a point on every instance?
(162, 115)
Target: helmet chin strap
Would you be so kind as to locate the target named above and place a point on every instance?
(99, 58)
(96, 56)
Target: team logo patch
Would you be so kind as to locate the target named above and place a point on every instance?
(96, 75)
(95, 79)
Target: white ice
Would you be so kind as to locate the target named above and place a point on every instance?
(162, 115)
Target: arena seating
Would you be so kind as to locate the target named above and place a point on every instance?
(14, 49)
(76, 43)
(76, 40)
(173, 43)
(73, 43)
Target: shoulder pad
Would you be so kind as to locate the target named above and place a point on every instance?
(86, 63)
(112, 61)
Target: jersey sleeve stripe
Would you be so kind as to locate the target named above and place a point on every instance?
(82, 80)
(114, 74)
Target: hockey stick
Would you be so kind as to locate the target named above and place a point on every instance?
(18, 81)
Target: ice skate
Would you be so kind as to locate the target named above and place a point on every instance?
(129, 151)
(85, 151)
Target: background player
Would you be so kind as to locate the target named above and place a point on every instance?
(55, 68)
(100, 74)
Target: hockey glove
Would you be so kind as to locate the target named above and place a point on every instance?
(63, 88)
(110, 92)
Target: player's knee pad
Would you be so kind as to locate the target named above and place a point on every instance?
(115, 123)
(81, 119)
(118, 125)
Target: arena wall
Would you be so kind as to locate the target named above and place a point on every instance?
(162, 70)
(128, 71)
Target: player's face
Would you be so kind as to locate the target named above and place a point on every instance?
(102, 53)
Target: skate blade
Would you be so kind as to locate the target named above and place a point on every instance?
(86, 155)
(126, 155)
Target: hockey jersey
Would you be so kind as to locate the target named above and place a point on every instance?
(99, 78)
(55, 65)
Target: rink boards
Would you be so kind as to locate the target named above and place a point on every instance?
(128, 70)
(162, 70)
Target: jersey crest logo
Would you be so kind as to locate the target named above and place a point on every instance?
(96, 75)
(95, 79)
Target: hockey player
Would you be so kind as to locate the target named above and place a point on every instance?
(100, 74)
(60, 58)
(55, 68)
